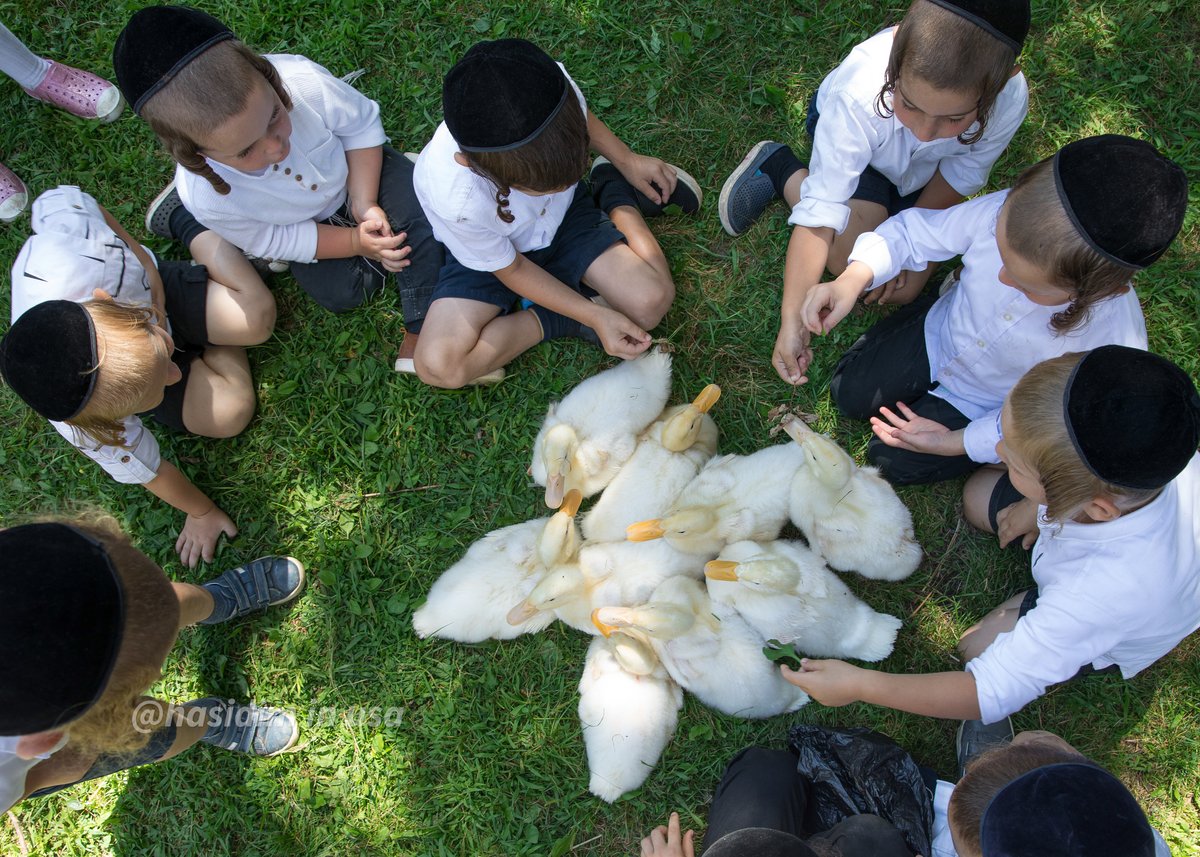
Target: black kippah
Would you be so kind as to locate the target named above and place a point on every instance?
(1126, 200)
(62, 618)
(48, 357)
(502, 95)
(1007, 20)
(761, 842)
(157, 43)
(1069, 809)
(1133, 416)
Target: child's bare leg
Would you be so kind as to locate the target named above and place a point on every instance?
(195, 603)
(1001, 620)
(634, 278)
(977, 497)
(219, 401)
(864, 217)
(791, 188)
(240, 309)
(462, 339)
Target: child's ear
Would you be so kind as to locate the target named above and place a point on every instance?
(1102, 509)
(461, 159)
(1016, 70)
(101, 295)
(32, 746)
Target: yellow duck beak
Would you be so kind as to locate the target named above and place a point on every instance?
(554, 490)
(570, 503)
(645, 531)
(605, 629)
(796, 429)
(523, 612)
(707, 398)
(721, 569)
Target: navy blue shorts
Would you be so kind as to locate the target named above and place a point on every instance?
(873, 186)
(186, 289)
(585, 233)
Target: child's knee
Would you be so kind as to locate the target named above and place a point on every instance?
(647, 306)
(260, 319)
(440, 367)
(232, 412)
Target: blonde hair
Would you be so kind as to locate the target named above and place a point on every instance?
(987, 774)
(1038, 433)
(125, 353)
(209, 91)
(1039, 230)
(949, 53)
(151, 618)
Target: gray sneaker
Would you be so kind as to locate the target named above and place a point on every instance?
(975, 737)
(158, 215)
(246, 728)
(747, 192)
(257, 585)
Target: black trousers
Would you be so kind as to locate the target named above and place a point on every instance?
(889, 364)
(340, 285)
(761, 789)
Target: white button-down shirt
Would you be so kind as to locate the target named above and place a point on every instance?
(982, 336)
(851, 136)
(461, 206)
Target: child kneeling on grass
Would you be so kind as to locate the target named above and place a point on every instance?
(501, 183)
(103, 334)
(1105, 443)
(1036, 797)
(87, 621)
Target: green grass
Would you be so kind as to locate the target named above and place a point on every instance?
(378, 483)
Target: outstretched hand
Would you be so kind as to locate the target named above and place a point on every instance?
(198, 538)
(793, 353)
(909, 430)
(668, 842)
(826, 304)
(829, 682)
(620, 336)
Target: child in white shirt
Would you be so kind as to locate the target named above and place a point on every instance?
(914, 116)
(1046, 270)
(279, 157)
(500, 182)
(1104, 445)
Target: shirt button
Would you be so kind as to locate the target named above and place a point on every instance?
(981, 344)
(287, 171)
(124, 459)
(1008, 316)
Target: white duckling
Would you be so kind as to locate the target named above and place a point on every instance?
(586, 437)
(468, 603)
(605, 573)
(668, 456)
(707, 648)
(784, 592)
(850, 515)
(733, 498)
(628, 707)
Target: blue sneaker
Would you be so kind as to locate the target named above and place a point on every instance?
(747, 192)
(246, 728)
(257, 585)
(687, 195)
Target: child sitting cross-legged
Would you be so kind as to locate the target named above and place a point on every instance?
(1105, 444)
(501, 183)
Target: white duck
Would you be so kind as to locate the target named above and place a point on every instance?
(707, 648)
(586, 437)
(784, 592)
(468, 603)
(628, 708)
(850, 515)
(605, 573)
(733, 498)
(668, 456)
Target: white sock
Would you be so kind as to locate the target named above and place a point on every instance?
(20, 63)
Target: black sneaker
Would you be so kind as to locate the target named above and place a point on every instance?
(747, 192)
(257, 585)
(687, 195)
(974, 737)
(158, 215)
(246, 728)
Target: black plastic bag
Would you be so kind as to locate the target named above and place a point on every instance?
(855, 770)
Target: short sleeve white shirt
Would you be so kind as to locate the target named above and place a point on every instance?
(72, 252)
(851, 136)
(461, 206)
(14, 770)
(274, 214)
(982, 336)
(1122, 592)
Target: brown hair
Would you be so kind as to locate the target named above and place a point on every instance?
(1038, 229)
(948, 52)
(556, 158)
(205, 94)
(151, 618)
(124, 352)
(987, 774)
(1038, 432)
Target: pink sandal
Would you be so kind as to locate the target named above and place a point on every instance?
(79, 92)
(13, 195)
